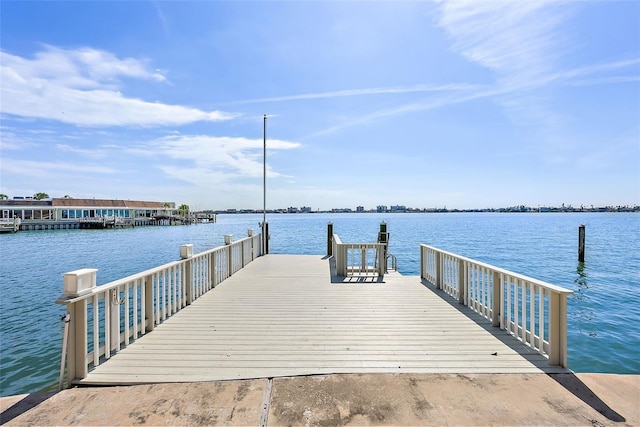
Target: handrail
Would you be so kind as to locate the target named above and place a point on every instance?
(106, 318)
(533, 311)
(358, 259)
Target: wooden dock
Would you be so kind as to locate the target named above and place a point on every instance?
(289, 315)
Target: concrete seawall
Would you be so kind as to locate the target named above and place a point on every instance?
(366, 399)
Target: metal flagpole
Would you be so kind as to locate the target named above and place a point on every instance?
(264, 169)
(265, 227)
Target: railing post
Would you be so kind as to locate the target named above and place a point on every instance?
(329, 238)
(77, 348)
(76, 283)
(186, 253)
(114, 319)
(228, 240)
(558, 329)
(497, 299)
(250, 234)
(149, 313)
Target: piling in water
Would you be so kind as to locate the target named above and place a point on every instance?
(581, 237)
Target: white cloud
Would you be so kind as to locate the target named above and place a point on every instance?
(214, 158)
(82, 87)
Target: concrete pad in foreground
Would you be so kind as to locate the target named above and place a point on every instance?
(455, 399)
(350, 399)
(211, 403)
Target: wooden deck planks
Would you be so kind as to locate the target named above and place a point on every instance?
(286, 315)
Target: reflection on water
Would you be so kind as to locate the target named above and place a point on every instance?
(584, 315)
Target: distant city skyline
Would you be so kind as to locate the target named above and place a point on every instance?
(463, 104)
(378, 208)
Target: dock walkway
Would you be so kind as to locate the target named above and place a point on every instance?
(288, 315)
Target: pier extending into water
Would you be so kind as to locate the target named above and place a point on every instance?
(234, 312)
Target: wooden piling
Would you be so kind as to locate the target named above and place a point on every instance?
(581, 244)
(330, 239)
(383, 237)
(266, 237)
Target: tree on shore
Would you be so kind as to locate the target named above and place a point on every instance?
(40, 196)
(183, 210)
(3, 197)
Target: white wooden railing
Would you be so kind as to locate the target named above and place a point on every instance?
(358, 259)
(533, 311)
(104, 319)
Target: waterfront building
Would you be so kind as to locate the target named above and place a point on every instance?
(65, 213)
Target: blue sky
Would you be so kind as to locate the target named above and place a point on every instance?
(424, 104)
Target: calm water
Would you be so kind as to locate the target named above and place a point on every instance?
(604, 313)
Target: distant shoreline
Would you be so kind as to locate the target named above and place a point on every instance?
(517, 209)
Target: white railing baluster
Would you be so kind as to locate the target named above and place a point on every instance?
(541, 321)
(516, 297)
(115, 319)
(177, 294)
(96, 329)
(143, 306)
(165, 295)
(107, 324)
(509, 309)
(482, 294)
(126, 313)
(136, 287)
(524, 311)
(532, 315)
(501, 301)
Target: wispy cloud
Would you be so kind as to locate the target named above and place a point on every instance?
(392, 90)
(83, 87)
(508, 94)
(517, 40)
(44, 170)
(91, 153)
(408, 108)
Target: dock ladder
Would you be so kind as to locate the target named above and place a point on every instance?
(383, 237)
